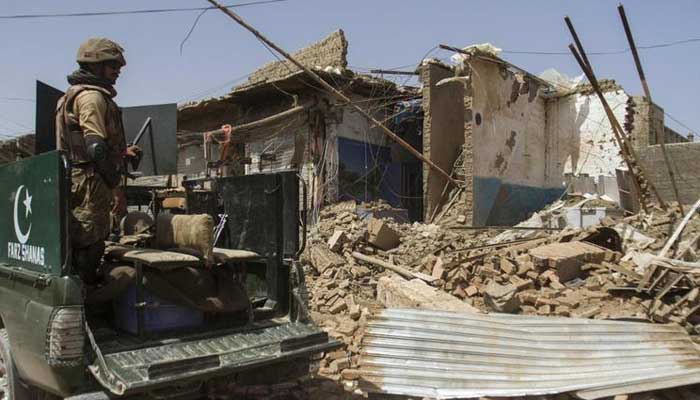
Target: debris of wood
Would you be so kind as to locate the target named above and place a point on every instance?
(407, 274)
(548, 273)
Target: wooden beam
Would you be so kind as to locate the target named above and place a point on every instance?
(241, 133)
(660, 136)
(391, 72)
(405, 273)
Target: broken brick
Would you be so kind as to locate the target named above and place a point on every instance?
(501, 298)
(381, 235)
(567, 258)
(337, 240)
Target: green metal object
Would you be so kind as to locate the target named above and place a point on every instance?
(41, 308)
(32, 228)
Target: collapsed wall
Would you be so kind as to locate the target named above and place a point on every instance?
(330, 52)
(526, 144)
(585, 145)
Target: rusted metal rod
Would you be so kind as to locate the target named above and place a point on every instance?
(660, 139)
(333, 91)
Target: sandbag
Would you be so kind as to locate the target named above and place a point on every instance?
(191, 232)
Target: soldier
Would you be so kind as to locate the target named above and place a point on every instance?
(89, 128)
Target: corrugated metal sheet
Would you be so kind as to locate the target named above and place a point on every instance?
(447, 355)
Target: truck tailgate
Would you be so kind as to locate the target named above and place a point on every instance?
(141, 369)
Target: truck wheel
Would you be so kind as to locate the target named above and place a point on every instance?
(10, 386)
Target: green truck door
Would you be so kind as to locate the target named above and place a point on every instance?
(33, 256)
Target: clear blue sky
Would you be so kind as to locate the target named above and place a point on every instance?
(382, 33)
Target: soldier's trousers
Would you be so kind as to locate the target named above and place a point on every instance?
(91, 202)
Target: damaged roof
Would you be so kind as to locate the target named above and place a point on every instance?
(278, 80)
(19, 147)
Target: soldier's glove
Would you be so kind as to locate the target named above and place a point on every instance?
(134, 154)
(98, 152)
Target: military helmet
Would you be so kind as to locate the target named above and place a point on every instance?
(95, 50)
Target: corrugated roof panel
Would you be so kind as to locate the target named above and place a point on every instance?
(448, 355)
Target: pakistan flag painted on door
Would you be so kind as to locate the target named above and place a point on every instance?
(32, 213)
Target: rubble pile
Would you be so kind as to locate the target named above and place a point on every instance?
(632, 268)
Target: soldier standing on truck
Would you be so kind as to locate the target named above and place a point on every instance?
(89, 128)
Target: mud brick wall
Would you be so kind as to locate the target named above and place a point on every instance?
(443, 130)
(329, 52)
(685, 161)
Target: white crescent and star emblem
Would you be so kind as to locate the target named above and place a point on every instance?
(23, 237)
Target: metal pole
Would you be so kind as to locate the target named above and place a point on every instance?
(334, 91)
(660, 139)
(153, 149)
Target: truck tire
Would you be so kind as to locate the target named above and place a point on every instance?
(11, 388)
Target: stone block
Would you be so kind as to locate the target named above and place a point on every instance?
(396, 292)
(438, 268)
(507, 266)
(322, 258)
(501, 298)
(337, 240)
(338, 306)
(567, 258)
(381, 235)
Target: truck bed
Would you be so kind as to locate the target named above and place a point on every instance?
(128, 364)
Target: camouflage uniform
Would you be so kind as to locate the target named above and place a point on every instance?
(89, 110)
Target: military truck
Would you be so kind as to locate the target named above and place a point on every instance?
(51, 347)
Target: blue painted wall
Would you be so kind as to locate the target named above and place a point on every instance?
(498, 203)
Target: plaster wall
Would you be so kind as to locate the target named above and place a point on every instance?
(582, 140)
(510, 144)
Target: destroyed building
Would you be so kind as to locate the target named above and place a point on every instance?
(523, 140)
(282, 120)
(20, 147)
(526, 140)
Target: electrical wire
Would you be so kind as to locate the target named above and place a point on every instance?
(194, 25)
(131, 12)
(207, 92)
(17, 99)
(604, 52)
(680, 123)
(14, 123)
